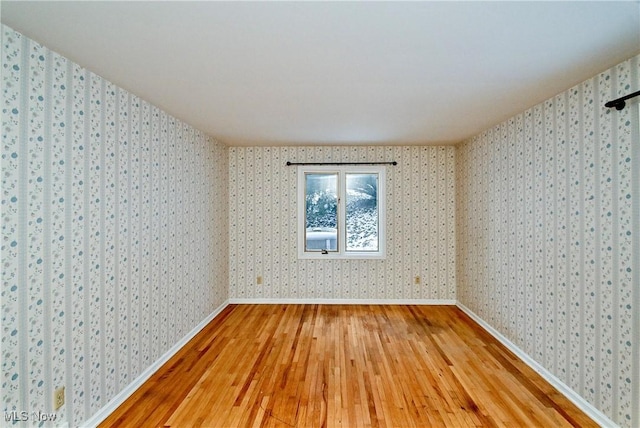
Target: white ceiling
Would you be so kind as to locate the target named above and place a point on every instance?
(273, 73)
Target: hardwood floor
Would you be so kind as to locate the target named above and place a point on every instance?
(345, 365)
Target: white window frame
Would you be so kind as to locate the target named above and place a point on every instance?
(342, 170)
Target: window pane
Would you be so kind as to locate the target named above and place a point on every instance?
(362, 212)
(321, 212)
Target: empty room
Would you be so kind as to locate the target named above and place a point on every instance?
(320, 214)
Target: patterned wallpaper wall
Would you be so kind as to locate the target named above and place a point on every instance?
(548, 237)
(420, 227)
(114, 232)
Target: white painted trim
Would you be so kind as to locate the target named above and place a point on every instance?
(120, 398)
(595, 414)
(342, 301)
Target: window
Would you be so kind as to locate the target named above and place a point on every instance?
(341, 212)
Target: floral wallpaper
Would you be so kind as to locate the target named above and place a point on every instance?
(548, 237)
(123, 228)
(420, 227)
(114, 233)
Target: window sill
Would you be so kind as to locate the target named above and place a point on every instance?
(338, 256)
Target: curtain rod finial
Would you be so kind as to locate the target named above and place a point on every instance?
(618, 104)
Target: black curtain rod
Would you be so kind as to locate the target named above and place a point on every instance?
(619, 104)
(342, 163)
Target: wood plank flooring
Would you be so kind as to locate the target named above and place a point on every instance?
(345, 366)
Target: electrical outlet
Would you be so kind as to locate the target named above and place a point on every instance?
(416, 280)
(58, 398)
(259, 280)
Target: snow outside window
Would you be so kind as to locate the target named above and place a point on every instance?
(341, 212)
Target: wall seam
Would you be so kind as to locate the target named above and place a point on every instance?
(615, 259)
(598, 243)
(581, 175)
(23, 189)
(635, 262)
(86, 240)
(68, 231)
(556, 265)
(47, 268)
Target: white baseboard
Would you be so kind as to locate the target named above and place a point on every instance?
(250, 301)
(595, 414)
(120, 398)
